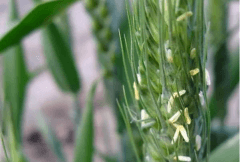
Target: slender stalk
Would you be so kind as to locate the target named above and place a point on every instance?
(4, 148)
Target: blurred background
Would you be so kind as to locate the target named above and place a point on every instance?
(44, 95)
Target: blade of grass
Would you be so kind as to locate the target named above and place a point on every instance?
(51, 138)
(85, 133)
(4, 147)
(60, 59)
(63, 24)
(41, 15)
(15, 78)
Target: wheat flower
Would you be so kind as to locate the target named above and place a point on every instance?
(183, 158)
(168, 65)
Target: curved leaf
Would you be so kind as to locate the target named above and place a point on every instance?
(85, 134)
(40, 15)
(229, 151)
(60, 60)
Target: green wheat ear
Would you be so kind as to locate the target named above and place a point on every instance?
(170, 85)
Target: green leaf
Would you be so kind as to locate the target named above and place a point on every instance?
(15, 78)
(234, 70)
(85, 133)
(15, 81)
(64, 26)
(221, 134)
(41, 15)
(60, 59)
(227, 152)
(51, 138)
(224, 80)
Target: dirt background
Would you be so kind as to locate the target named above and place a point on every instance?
(43, 94)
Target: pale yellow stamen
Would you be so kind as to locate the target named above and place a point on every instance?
(208, 80)
(175, 117)
(171, 100)
(170, 103)
(184, 16)
(136, 91)
(183, 158)
(169, 56)
(187, 117)
(176, 125)
(139, 78)
(198, 142)
(184, 133)
(182, 92)
(193, 53)
(145, 116)
(176, 134)
(194, 72)
(201, 98)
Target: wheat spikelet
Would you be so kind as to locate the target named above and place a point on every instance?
(170, 81)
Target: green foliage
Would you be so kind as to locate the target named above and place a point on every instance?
(228, 151)
(85, 132)
(221, 134)
(41, 15)
(226, 64)
(157, 55)
(217, 15)
(60, 60)
(63, 24)
(15, 82)
(15, 79)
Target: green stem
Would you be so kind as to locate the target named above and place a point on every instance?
(4, 148)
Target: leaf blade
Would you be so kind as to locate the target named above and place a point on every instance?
(60, 59)
(51, 138)
(229, 151)
(37, 17)
(15, 77)
(85, 134)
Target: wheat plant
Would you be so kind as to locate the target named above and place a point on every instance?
(169, 38)
(165, 65)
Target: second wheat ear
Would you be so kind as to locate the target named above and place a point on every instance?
(168, 41)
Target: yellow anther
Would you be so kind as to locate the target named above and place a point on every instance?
(193, 53)
(139, 78)
(183, 158)
(145, 116)
(208, 80)
(170, 103)
(187, 117)
(184, 16)
(175, 117)
(201, 97)
(198, 142)
(171, 100)
(194, 72)
(176, 134)
(184, 133)
(176, 125)
(136, 91)
(182, 92)
(169, 55)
